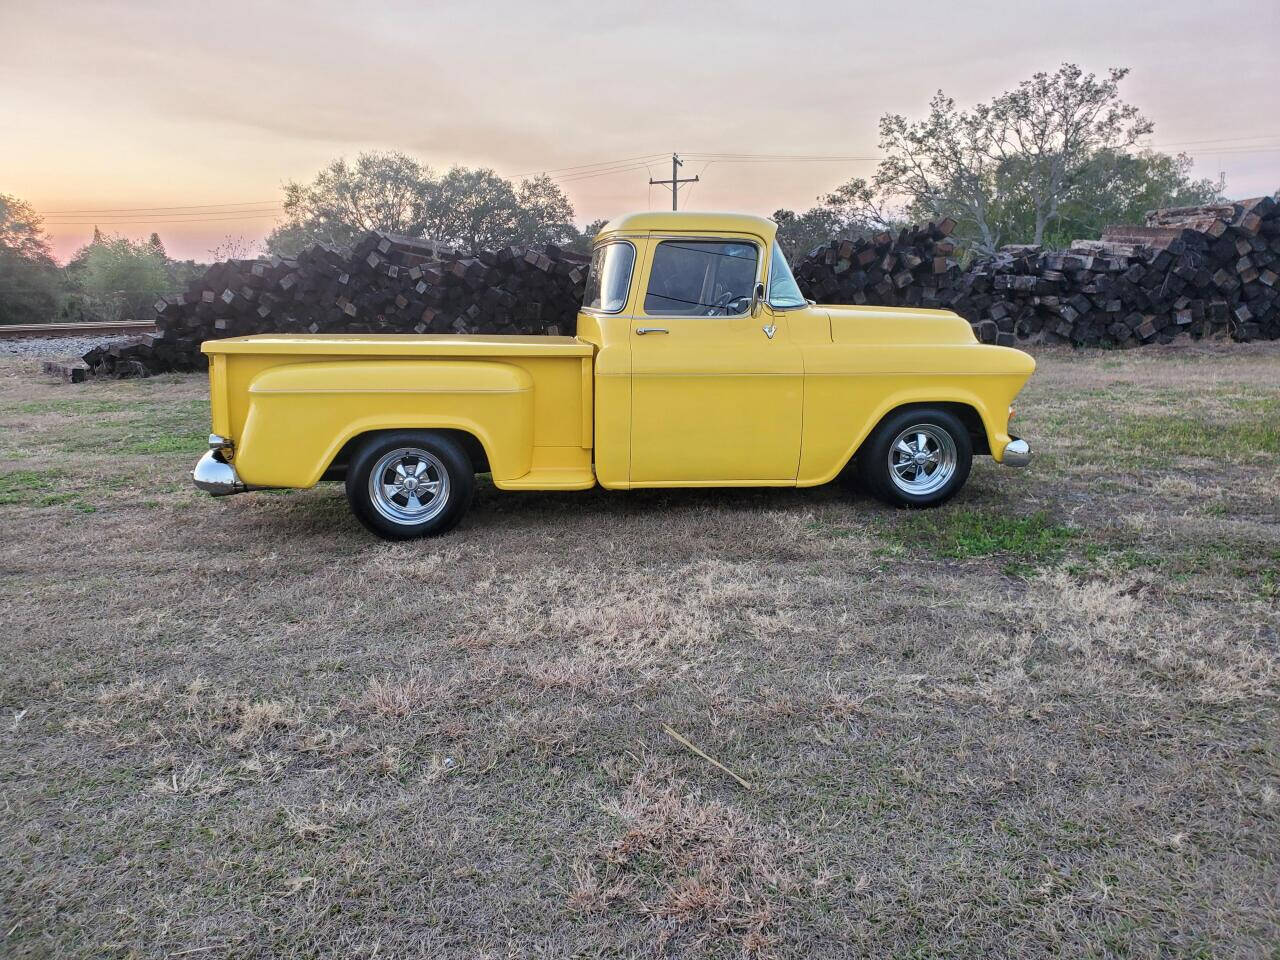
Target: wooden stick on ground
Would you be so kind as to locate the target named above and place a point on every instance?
(711, 760)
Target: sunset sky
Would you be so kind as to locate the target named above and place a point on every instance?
(112, 107)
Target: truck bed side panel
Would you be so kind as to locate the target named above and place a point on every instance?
(300, 415)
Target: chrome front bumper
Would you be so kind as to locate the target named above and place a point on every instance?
(1017, 453)
(213, 474)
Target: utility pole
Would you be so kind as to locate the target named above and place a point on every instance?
(675, 181)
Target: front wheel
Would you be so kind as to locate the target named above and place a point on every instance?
(409, 484)
(916, 458)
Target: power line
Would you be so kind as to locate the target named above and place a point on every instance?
(599, 163)
(1214, 151)
(1176, 143)
(697, 179)
(604, 173)
(185, 206)
(600, 170)
(122, 223)
(782, 157)
(162, 217)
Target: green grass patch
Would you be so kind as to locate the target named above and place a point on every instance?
(961, 534)
(22, 486)
(185, 442)
(1269, 588)
(38, 489)
(1181, 435)
(1251, 428)
(1186, 560)
(75, 406)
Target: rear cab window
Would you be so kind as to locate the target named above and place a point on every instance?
(609, 278)
(701, 278)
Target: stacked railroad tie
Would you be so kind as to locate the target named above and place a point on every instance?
(386, 284)
(915, 267)
(1195, 271)
(1208, 271)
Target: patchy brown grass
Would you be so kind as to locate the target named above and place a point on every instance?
(1039, 722)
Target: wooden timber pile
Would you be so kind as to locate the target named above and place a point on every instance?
(915, 267)
(385, 284)
(1195, 271)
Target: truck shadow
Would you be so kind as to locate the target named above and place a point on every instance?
(322, 513)
(620, 504)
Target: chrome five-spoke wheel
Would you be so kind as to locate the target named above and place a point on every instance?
(408, 485)
(922, 459)
(918, 456)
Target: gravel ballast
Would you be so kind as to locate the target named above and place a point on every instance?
(56, 348)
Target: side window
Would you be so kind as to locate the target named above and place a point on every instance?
(701, 278)
(784, 292)
(609, 277)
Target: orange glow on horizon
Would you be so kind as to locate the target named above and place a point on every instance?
(150, 108)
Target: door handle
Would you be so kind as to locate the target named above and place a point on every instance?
(641, 331)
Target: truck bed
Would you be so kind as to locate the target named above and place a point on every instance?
(527, 399)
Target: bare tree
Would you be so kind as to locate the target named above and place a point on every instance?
(234, 248)
(1029, 148)
(944, 165)
(1052, 127)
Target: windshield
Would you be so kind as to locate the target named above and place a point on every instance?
(784, 292)
(610, 276)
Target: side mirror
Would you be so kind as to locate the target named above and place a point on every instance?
(757, 298)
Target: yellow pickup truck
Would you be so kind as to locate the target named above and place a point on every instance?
(697, 363)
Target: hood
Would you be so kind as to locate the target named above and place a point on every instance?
(897, 325)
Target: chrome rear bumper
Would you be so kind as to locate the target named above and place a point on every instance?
(215, 476)
(1017, 453)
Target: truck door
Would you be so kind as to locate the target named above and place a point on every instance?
(716, 394)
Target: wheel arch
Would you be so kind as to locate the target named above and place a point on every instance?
(968, 409)
(469, 441)
(967, 413)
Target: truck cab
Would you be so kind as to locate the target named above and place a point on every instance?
(697, 362)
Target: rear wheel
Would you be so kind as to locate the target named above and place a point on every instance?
(409, 484)
(917, 457)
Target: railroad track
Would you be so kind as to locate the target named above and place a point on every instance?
(114, 328)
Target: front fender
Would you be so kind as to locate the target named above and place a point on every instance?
(300, 415)
(842, 407)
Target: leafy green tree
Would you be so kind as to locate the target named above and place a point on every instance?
(122, 279)
(545, 214)
(28, 273)
(801, 232)
(393, 192)
(1120, 187)
(473, 209)
(379, 191)
(852, 210)
(587, 235)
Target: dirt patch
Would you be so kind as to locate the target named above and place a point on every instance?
(1039, 722)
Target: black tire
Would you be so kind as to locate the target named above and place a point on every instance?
(946, 439)
(444, 463)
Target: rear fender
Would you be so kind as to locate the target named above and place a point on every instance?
(302, 414)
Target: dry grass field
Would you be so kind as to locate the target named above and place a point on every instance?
(1041, 721)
